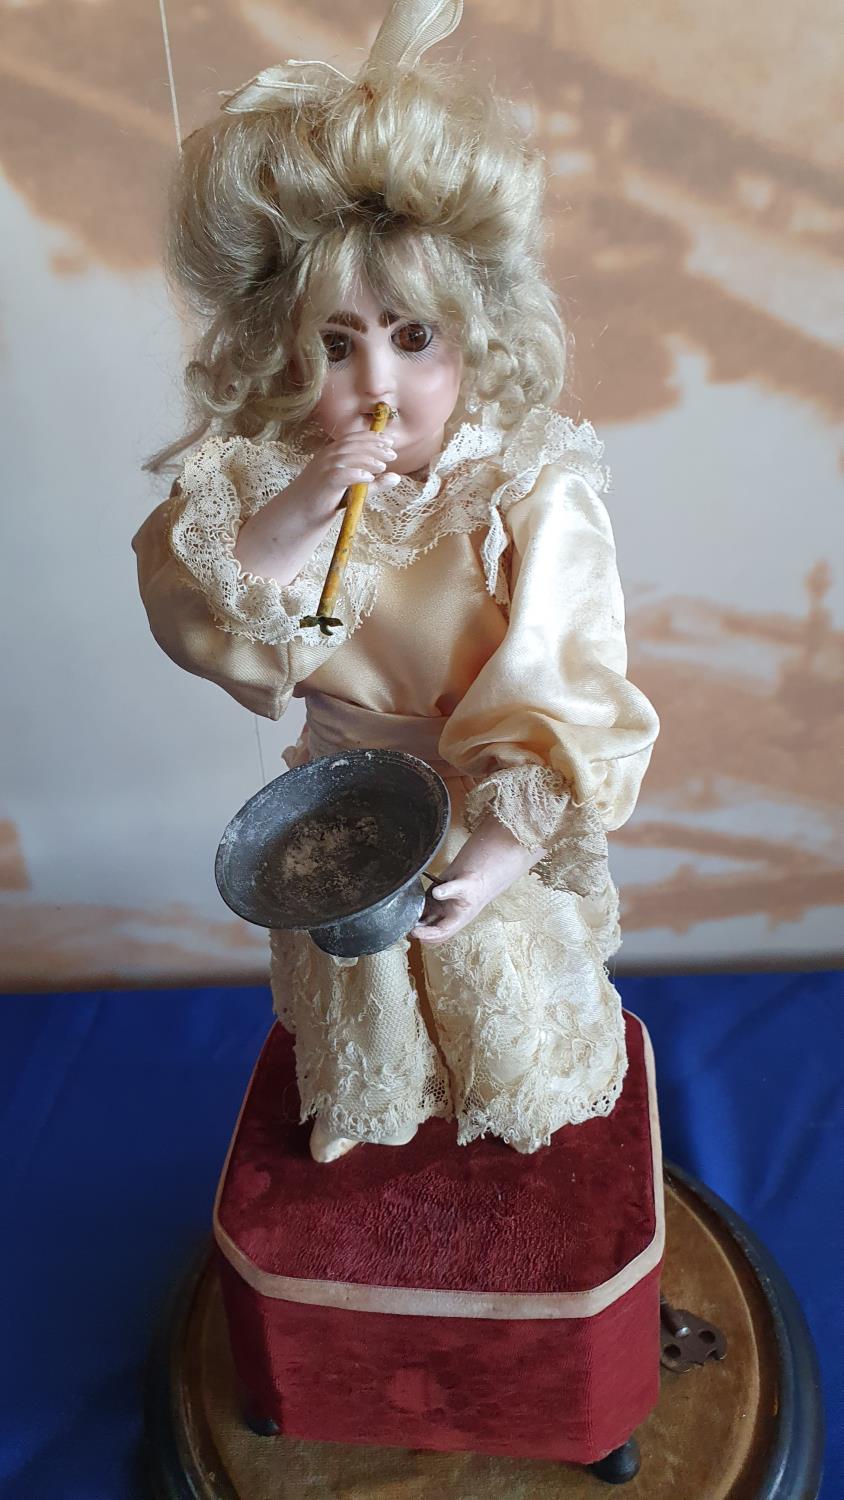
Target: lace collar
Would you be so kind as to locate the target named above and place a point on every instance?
(482, 470)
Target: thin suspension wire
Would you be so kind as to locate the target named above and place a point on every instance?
(172, 82)
(165, 33)
(260, 750)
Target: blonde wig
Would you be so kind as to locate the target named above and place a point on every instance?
(420, 183)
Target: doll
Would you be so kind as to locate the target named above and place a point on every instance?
(377, 239)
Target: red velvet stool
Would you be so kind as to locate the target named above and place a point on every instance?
(445, 1297)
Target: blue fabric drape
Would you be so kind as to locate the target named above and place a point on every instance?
(116, 1110)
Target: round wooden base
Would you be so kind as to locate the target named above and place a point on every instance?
(747, 1428)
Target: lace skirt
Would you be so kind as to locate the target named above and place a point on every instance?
(510, 1027)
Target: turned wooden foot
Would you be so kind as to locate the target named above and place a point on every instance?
(261, 1426)
(256, 1421)
(620, 1466)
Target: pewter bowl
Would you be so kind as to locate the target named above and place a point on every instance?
(337, 847)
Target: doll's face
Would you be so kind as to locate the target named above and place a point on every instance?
(374, 355)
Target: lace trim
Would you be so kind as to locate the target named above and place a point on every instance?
(224, 483)
(527, 1023)
(364, 1061)
(527, 1118)
(535, 804)
(228, 479)
(529, 1015)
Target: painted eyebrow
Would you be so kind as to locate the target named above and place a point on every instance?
(351, 320)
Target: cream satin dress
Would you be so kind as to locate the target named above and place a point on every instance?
(485, 632)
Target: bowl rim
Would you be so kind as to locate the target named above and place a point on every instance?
(424, 772)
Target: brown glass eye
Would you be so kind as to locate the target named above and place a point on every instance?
(338, 346)
(412, 338)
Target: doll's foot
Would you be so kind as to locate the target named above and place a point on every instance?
(400, 1137)
(326, 1146)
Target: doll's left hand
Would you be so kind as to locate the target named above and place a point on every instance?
(449, 905)
(490, 860)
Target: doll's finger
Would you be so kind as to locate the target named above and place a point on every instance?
(368, 441)
(435, 925)
(423, 929)
(431, 920)
(430, 913)
(357, 476)
(357, 452)
(388, 481)
(437, 932)
(426, 932)
(447, 890)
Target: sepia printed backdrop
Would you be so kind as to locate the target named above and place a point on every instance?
(695, 239)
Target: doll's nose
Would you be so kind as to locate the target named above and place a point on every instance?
(377, 383)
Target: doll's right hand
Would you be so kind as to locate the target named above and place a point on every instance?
(356, 458)
(277, 540)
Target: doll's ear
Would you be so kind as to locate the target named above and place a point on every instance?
(409, 29)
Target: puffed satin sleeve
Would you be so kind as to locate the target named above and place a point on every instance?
(557, 737)
(209, 615)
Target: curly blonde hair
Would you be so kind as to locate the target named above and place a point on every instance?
(420, 183)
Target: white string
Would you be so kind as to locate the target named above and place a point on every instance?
(166, 35)
(175, 105)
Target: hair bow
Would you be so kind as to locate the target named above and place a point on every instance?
(274, 86)
(409, 29)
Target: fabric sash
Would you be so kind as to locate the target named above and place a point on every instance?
(334, 725)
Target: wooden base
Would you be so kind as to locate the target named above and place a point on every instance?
(748, 1428)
